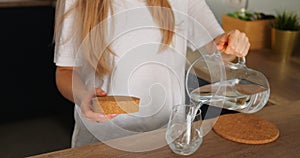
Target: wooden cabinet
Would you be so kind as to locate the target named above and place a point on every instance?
(258, 31)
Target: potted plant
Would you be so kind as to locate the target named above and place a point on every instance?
(285, 33)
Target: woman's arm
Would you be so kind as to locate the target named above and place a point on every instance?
(71, 87)
(231, 44)
(68, 81)
(63, 78)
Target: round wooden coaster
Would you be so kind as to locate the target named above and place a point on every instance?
(246, 128)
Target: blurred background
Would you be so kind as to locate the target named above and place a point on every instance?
(34, 117)
(221, 7)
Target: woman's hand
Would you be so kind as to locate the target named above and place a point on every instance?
(72, 88)
(87, 111)
(233, 43)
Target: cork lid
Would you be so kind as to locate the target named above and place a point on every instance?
(115, 104)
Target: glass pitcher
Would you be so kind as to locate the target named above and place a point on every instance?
(234, 87)
(211, 81)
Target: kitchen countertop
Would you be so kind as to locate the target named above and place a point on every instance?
(26, 3)
(283, 109)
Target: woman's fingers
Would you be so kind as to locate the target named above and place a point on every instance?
(97, 117)
(86, 107)
(233, 43)
(238, 43)
(100, 92)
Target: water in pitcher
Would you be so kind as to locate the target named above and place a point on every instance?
(239, 95)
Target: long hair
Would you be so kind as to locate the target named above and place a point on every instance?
(92, 12)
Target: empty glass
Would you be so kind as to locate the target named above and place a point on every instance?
(184, 134)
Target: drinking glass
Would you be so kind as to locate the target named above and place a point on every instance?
(184, 134)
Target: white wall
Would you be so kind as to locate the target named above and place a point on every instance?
(266, 6)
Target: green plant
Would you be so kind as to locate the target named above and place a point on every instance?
(286, 21)
(242, 14)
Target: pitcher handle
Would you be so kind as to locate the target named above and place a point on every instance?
(242, 61)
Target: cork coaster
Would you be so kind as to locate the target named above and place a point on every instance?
(246, 128)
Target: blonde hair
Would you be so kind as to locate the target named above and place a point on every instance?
(92, 12)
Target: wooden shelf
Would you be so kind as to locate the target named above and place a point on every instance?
(26, 3)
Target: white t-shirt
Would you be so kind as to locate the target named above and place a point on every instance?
(139, 69)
